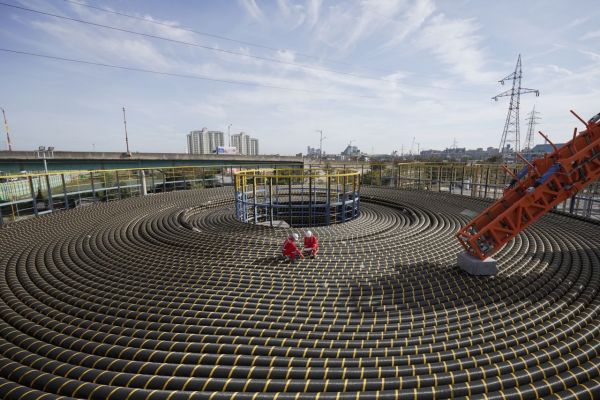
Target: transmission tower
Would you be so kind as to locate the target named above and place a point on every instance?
(531, 119)
(511, 133)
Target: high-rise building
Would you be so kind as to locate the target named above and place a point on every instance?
(253, 146)
(204, 141)
(239, 143)
(245, 144)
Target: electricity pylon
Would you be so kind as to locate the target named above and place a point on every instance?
(531, 119)
(511, 133)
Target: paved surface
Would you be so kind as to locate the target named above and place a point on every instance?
(169, 297)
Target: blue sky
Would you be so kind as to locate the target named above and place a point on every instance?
(377, 72)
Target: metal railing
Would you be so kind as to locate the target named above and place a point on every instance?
(27, 195)
(485, 181)
(297, 197)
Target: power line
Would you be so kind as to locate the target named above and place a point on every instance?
(230, 52)
(178, 75)
(211, 35)
(221, 37)
(210, 48)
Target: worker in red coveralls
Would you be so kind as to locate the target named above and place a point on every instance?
(290, 250)
(288, 239)
(311, 244)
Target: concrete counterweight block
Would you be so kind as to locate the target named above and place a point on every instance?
(475, 266)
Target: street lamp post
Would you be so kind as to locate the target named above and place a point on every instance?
(45, 154)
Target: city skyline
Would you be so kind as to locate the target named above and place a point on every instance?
(377, 72)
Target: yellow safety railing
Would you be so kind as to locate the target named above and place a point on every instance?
(24, 195)
(480, 180)
(70, 188)
(306, 197)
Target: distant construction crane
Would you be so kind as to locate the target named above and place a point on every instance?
(511, 133)
(321, 138)
(531, 119)
(8, 144)
(126, 136)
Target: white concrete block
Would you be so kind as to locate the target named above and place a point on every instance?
(475, 266)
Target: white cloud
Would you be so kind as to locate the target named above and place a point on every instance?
(293, 15)
(141, 52)
(116, 48)
(109, 48)
(215, 109)
(347, 25)
(590, 35)
(145, 22)
(541, 54)
(550, 71)
(286, 55)
(456, 43)
(404, 44)
(169, 29)
(252, 9)
(284, 7)
(577, 22)
(313, 12)
(591, 54)
(412, 20)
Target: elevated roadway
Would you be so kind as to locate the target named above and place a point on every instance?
(16, 161)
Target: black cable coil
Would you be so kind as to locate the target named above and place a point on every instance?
(170, 297)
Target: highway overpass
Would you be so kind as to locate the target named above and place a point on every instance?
(31, 161)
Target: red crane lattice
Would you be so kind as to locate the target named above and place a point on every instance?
(541, 185)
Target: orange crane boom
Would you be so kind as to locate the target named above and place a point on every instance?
(541, 185)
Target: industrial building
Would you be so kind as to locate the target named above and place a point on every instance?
(351, 151)
(460, 153)
(313, 152)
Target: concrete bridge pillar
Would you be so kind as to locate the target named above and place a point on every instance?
(144, 186)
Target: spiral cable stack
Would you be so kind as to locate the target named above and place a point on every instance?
(169, 296)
